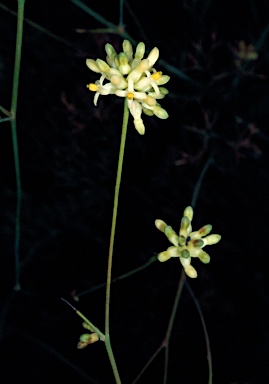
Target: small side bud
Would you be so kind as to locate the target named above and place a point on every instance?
(87, 339)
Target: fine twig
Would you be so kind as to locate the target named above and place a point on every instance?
(13, 111)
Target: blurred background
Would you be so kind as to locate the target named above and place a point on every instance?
(217, 55)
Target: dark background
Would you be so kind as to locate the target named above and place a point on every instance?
(68, 157)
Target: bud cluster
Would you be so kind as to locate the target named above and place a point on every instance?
(130, 76)
(187, 244)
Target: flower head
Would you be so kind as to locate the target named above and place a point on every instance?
(187, 244)
(130, 76)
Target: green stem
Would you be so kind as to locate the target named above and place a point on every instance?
(4, 110)
(121, 13)
(112, 237)
(121, 277)
(13, 111)
(198, 185)
(171, 323)
(92, 327)
(209, 356)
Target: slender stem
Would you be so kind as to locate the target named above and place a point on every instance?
(5, 119)
(4, 110)
(121, 13)
(199, 182)
(209, 356)
(112, 237)
(92, 327)
(151, 359)
(171, 323)
(37, 26)
(13, 111)
(165, 342)
(121, 277)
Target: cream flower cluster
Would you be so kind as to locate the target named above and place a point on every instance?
(130, 76)
(187, 244)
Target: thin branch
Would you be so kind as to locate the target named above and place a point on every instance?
(13, 112)
(209, 356)
(121, 277)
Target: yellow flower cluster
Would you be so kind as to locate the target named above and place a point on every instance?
(129, 75)
(187, 244)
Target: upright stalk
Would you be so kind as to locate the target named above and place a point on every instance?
(112, 237)
(13, 111)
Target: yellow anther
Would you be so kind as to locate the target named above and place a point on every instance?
(92, 87)
(130, 95)
(155, 76)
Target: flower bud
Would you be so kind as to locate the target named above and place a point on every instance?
(181, 240)
(139, 126)
(160, 224)
(198, 243)
(204, 257)
(140, 51)
(190, 271)
(128, 49)
(147, 111)
(164, 256)
(185, 254)
(185, 222)
(153, 56)
(92, 65)
(171, 235)
(103, 66)
(87, 339)
(188, 212)
(211, 239)
(136, 73)
(162, 80)
(124, 67)
(160, 112)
